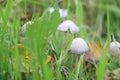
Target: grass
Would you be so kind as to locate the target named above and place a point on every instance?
(103, 62)
(28, 61)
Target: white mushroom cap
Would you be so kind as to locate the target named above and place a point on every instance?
(63, 12)
(24, 27)
(68, 25)
(79, 46)
(51, 9)
(115, 48)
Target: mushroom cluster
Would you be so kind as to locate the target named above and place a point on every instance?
(79, 46)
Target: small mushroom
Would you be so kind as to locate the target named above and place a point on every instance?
(63, 12)
(50, 9)
(24, 27)
(68, 25)
(115, 48)
(94, 55)
(79, 46)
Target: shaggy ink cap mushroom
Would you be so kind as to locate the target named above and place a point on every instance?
(68, 25)
(115, 48)
(79, 46)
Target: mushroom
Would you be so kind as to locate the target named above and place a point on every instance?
(79, 46)
(50, 9)
(63, 12)
(94, 55)
(24, 27)
(115, 48)
(68, 25)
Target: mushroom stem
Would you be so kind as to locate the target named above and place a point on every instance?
(79, 68)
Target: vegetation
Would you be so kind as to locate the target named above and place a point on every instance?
(43, 53)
